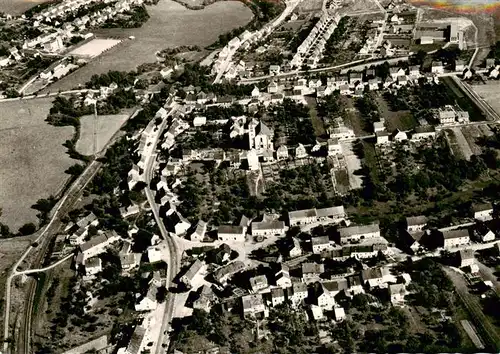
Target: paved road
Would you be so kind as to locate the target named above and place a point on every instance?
(174, 256)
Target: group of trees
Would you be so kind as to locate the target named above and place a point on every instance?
(135, 18)
(121, 78)
(292, 120)
(368, 108)
(332, 44)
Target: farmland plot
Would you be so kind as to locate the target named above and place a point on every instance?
(490, 92)
(17, 7)
(105, 128)
(32, 159)
(170, 25)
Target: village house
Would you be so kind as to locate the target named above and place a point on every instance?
(483, 233)
(222, 274)
(309, 216)
(282, 277)
(260, 137)
(253, 306)
(375, 277)
(277, 296)
(399, 136)
(454, 238)
(148, 302)
(416, 223)
(258, 283)
(206, 298)
(300, 152)
(295, 250)
(98, 244)
(354, 285)
(196, 268)
(282, 153)
(465, 258)
(297, 293)
(334, 147)
(268, 228)
(357, 233)
(199, 231)
(93, 266)
(423, 133)
(312, 271)
(227, 233)
(382, 137)
(339, 314)
(130, 260)
(437, 67)
(397, 293)
(319, 244)
(483, 212)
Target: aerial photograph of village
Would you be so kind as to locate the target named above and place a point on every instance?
(249, 176)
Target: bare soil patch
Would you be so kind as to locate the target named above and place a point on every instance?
(32, 159)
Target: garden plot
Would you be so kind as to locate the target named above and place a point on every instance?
(459, 143)
(353, 164)
(472, 134)
(32, 159)
(93, 137)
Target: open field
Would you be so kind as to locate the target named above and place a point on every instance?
(32, 159)
(490, 92)
(95, 47)
(17, 7)
(170, 25)
(106, 127)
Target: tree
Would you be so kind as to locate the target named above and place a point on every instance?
(27, 229)
(75, 170)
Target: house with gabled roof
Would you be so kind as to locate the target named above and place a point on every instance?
(297, 293)
(483, 212)
(416, 223)
(454, 238)
(258, 283)
(358, 233)
(196, 268)
(253, 306)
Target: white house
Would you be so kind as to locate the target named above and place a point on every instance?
(311, 271)
(295, 249)
(98, 244)
(357, 233)
(382, 137)
(148, 302)
(196, 268)
(397, 292)
(375, 277)
(300, 151)
(93, 266)
(297, 293)
(231, 233)
(277, 296)
(282, 277)
(309, 216)
(268, 228)
(454, 238)
(319, 244)
(483, 212)
(416, 223)
(483, 232)
(334, 147)
(282, 153)
(199, 231)
(258, 283)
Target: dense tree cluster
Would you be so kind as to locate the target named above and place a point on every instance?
(134, 18)
(338, 35)
(292, 120)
